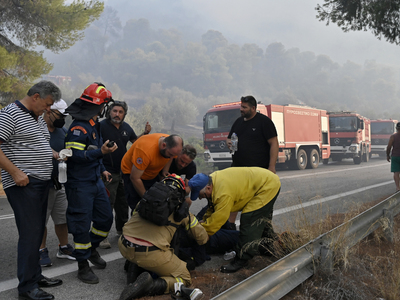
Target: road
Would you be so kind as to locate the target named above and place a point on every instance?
(305, 195)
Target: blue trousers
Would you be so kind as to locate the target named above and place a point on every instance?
(29, 204)
(89, 215)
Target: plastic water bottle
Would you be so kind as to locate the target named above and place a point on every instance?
(235, 142)
(62, 172)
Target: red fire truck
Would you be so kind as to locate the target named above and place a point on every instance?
(381, 130)
(303, 133)
(350, 136)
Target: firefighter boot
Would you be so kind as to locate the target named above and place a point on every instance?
(183, 292)
(141, 287)
(96, 259)
(133, 271)
(85, 273)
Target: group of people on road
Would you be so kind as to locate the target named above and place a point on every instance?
(102, 175)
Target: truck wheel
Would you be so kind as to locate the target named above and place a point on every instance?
(357, 160)
(301, 162)
(313, 159)
(325, 161)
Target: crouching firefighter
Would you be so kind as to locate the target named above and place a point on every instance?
(146, 242)
(89, 215)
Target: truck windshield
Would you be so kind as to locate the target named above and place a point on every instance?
(220, 121)
(382, 128)
(339, 124)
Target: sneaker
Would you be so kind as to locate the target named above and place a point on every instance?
(105, 244)
(234, 265)
(66, 252)
(229, 255)
(45, 260)
(182, 292)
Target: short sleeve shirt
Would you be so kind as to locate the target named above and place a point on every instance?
(25, 143)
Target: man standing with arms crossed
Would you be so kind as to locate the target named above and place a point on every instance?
(114, 128)
(26, 163)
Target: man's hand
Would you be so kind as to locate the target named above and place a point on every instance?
(272, 169)
(229, 143)
(388, 158)
(106, 150)
(147, 128)
(107, 176)
(20, 178)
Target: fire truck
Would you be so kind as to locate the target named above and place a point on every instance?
(350, 136)
(303, 133)
(381, 130)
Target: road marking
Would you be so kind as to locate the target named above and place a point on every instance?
(326, 199)
(56, 272)
(335, 171)
(4, 217)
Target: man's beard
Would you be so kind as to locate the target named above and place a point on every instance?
(246, 115)
(162, 152)
(115, 120)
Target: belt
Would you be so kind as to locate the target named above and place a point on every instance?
(138, 248)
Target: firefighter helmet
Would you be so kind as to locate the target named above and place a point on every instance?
(96, 93)
(176, 181)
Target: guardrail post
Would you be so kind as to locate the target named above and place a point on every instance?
(387, 224)
(326, 259)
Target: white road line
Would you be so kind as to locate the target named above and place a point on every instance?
(335, 171)
(56, 272)
(4, 217)
(326, 199)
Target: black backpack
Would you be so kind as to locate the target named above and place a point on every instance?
(159, 202)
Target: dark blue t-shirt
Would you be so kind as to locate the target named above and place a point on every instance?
(57, 144)
(190, 170)
(121, 136)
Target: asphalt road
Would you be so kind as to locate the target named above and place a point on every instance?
(305, 195)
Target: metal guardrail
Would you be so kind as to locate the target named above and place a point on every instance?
(284, 275)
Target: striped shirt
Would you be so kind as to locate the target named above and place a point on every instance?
(25, 143)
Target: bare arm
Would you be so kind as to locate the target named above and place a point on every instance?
(389, 148)
(165, 170)
(20, 178)
(136, 180)
(273, 153)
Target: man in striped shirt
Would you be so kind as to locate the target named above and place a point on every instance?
(26, 163)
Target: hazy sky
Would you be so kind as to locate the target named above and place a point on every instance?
(291, 22)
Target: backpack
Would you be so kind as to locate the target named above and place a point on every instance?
(159, 202)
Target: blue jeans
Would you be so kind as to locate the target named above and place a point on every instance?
(29, 204)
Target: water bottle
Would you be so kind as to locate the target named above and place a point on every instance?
(62, 172)
(235, 142)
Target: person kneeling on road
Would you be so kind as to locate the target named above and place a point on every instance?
(253, 191)
(148, 246)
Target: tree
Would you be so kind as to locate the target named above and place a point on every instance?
(379, 16)
(25, 25)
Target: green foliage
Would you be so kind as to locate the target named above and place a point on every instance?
(175, 81)
(381, 17)
(27, 24)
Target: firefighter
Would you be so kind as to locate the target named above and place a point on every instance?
(148, 246)
(89, 214)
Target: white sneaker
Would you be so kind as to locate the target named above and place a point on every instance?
(196, 294)
(105, 244)
(177, 288)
